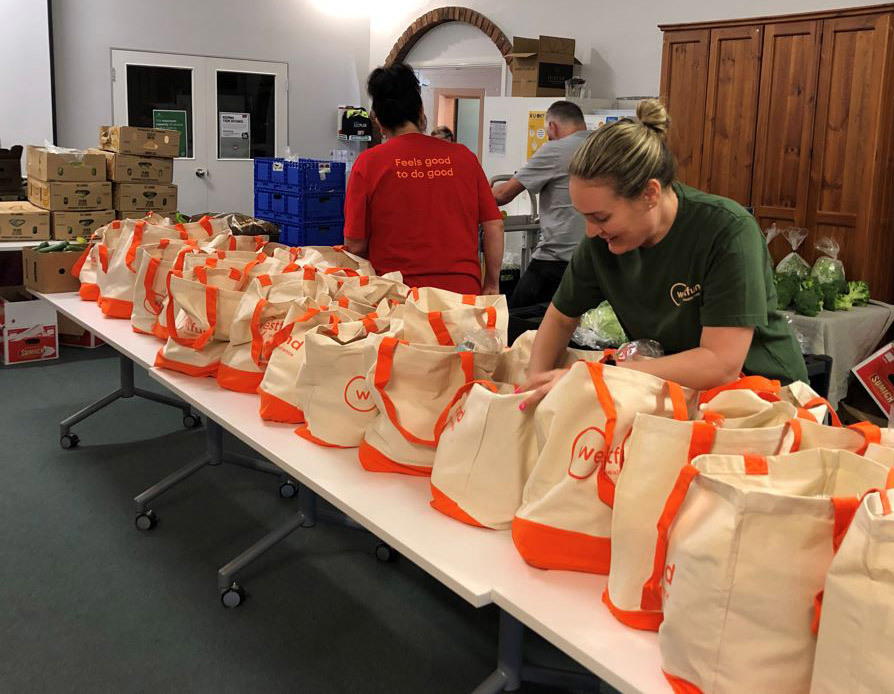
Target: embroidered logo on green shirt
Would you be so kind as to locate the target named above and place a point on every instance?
(682, 293)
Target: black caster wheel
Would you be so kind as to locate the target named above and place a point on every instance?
(68, 441)
(233, 596)
(288, 489)
(146, 520)
(386, 553)
(191, 421)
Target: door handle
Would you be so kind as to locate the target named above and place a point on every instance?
(201, 173)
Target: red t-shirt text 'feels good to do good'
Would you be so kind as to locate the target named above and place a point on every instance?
(418, 201)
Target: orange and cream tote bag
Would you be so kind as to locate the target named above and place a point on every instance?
(154, 263)
(658, 449)
(278, 389)
(225, 241)
(326, 257)
(411, 386)
(440, 317)
(745, 409)
(95, 259)
(333, 391)
(798, 394)
(749, 543)
(564, 521)
(372, 290)
(486, 450)
(512, 366)
(853, 648)
(198, 325)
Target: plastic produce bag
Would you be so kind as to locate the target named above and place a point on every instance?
(793, 263)
(828, 268)
(486, 340)
(599, 327)
(638, 350)
(242, 224)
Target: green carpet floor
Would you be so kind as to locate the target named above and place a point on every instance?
(89, 604)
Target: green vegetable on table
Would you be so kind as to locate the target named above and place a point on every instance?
(843, 302)
(809, 298)
(831, 290)
(52, 248)
(858, 291)
(787, 286)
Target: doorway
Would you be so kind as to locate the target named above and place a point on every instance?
(462, 110)
(230, 112)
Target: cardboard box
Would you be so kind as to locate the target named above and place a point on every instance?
(145, 196)
(22, 221)
(150, 142)
(876, 374)
(51, 166)
(61, 195)
(130, 168)
(50, 273)
(27, 327)
(140, 214)
(73, 335)
(541, 66)
(67, 226)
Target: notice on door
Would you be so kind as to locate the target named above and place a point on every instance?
(171, 120)
(536, 132)
(234, 132)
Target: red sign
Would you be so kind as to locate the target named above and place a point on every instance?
(876, 373)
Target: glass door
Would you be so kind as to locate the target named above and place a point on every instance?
(232, 111)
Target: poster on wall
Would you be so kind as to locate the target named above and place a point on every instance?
(536, 132)
(235, 137)
(171, 120)
(497, 137)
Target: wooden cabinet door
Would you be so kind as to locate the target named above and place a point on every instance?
(845, 170)
(684, 79)
(785, 126)
(734, 68)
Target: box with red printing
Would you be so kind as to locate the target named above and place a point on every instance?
(27, 328)
(876, 373)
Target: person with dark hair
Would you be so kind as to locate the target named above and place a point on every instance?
(414, 203)
(442, 132)
(561, 228)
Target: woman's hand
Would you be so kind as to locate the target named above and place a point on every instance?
(540, 384)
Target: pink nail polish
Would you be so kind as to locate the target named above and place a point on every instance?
(517, 390)
(522, 406)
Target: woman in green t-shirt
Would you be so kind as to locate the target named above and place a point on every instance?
(685, 268)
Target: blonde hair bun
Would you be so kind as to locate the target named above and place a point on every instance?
(653, 115)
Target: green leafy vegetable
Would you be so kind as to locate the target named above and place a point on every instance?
(858, 291)
(603, 321)
(809, 299)
(787, 286)
(831, 291)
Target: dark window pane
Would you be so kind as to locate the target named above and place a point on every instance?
(240, 93)
(150, 87)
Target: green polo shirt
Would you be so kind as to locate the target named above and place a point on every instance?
(712, 269)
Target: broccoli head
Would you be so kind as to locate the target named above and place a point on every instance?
(831, 291)
(858, 291)
(843, 302)
(809, 299)
(787, 286)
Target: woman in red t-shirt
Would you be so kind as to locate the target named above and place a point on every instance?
(415, 202)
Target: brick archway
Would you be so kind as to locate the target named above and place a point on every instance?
(442, 15)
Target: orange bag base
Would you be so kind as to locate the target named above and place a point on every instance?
(115, 308)
(374, 461)
(273, 409)
(443, 503)
(139, 332)
(304, 432)
(681, 686)
(89, 291)
(163, 362)
(238, 380)
(160, 331)
(546, 547)
(645, 621)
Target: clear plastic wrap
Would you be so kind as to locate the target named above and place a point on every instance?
(599, 328)
(771, 232)
(799, 336)
(73, 155)
(827, 267)
(483, 340)
(793, 263)
(639, 349)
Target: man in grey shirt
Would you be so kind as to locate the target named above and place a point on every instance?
(561, 227)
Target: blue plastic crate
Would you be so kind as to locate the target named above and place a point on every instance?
(299, 207)
(324, 233)
(299, 176)
(320, 206)
(292, 235)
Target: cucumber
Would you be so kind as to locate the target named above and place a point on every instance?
(53, 247)
(76, 247)
(43, 244)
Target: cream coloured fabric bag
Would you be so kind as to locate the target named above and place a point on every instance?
(512, 366)
(853, 649)
(154, 263)
(750, 540)
(745, 409)
(278, 390)
(230, 242)
(751, 395)
(439, 317)
(198, 324)
(486, 451)
(658, 449)
(95, 259)
(332, 388)
(372, 290)
(584, 421)
(411, 385)
(324, 257)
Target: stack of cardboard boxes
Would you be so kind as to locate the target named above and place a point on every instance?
(71, 186)
(140, 164)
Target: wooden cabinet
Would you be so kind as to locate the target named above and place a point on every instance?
(793, 116)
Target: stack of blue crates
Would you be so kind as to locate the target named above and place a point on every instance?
(306, 198)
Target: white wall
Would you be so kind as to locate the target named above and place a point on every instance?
(618, 42)
(26, 110)
(327, 54)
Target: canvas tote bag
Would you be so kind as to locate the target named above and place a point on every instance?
(411, 385)
(154, 263)
(486, 450)
(96, 258)
(750, 540)
(564, 521)
(440, 317)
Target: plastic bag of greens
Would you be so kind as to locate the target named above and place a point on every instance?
(771, 232)
(827, 267)
(599, 327)
(794, 264)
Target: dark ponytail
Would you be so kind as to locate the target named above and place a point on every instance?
(395, 94)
